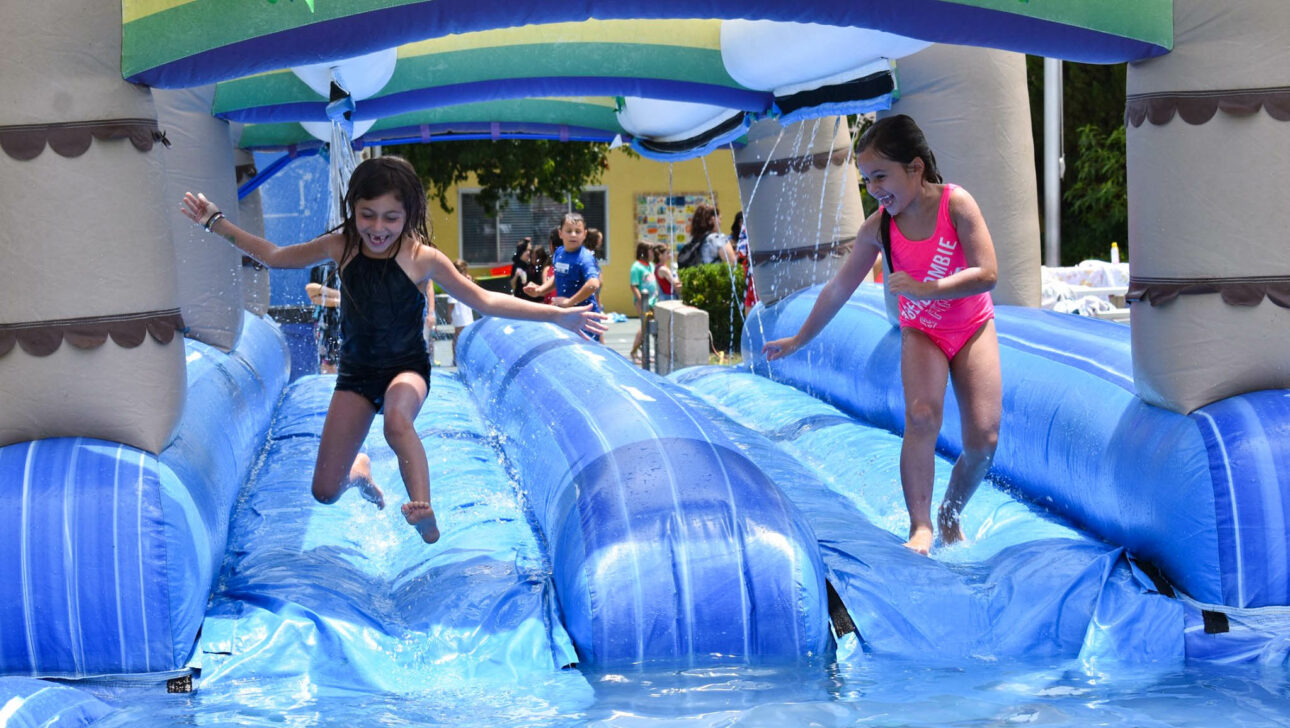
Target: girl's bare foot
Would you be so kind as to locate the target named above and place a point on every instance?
(949, 522)
(420, 516)
(920, 540)
(360, 475)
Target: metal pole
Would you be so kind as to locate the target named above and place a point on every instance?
(1053, 162)
(650, 332)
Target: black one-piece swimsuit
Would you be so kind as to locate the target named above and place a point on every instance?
(381, 315)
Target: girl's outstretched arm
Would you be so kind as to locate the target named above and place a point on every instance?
(205, 213)
(834, 294)
(581, 320)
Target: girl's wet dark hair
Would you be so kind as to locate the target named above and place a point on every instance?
(378, 176)
(899, 139)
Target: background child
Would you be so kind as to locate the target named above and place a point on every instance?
(459, 313)
(707, 243)
(385, 258)
(944, 265)
(324, 292)
(522, 268)
(739, 236)
(577, 275)
(644, 292)
(431, 322)
(541, 273)
(595, 242)
(669, 284)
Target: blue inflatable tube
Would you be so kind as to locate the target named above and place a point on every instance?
(1204, 497)
(108, 553)
(667, 543)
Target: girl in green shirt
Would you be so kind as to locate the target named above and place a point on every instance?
(644, 292)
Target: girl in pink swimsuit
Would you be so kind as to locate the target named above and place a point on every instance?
(943, 266)
(948, 322)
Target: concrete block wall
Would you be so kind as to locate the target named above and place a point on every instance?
(682, 336)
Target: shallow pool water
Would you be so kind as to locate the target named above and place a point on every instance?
(862, 691)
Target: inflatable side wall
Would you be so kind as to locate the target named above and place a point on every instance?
(1205, 497)
(787, 176)
(200, 159)
(89, 305)
(1208, 153)
(250, 216)
(666, 542)
(107, 552)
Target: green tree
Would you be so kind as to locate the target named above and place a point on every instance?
(1092, 214)
(1096, 195)
(525, 168)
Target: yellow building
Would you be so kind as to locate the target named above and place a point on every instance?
(631, 199)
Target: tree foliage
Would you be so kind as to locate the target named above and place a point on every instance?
(1094, 194)
(718, 289)
(525, 168)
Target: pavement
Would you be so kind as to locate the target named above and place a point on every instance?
(619, 338)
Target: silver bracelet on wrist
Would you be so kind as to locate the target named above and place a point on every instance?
(212, 220)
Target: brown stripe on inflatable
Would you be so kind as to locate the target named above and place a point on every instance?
(1248, 291)
(1198, 107)
(128, 330)
(72, 139)
(785, 165)
(836, 248)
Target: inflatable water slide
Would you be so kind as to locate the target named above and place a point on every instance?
(155, 522)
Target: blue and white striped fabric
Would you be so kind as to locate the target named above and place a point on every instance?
(1202, 496)
(82, 591)
(108, 553)
(667, 543)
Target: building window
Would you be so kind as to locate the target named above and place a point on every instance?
(491, 240)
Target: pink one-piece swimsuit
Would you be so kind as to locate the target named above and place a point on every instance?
(949, 322)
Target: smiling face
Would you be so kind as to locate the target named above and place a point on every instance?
(892, 184)
(380, 222)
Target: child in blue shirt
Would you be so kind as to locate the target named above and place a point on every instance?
(577, 274)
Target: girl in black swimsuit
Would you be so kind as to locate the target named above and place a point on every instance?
(385, 258)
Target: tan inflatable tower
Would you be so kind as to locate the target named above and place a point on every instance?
(973, 106)
(89, 312)
(1208, 161)
(255, 276)
(200, 159)
(801, 202)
